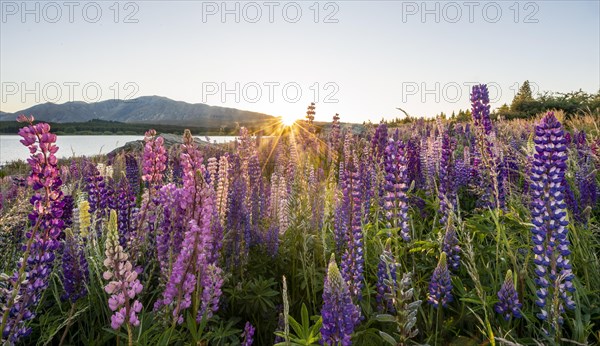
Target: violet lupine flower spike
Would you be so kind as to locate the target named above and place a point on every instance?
(508, 304)
(248, 334)
(480, 108)
(446, 190)
(123, 283)
(353, 258)
(339, 314)
(132, 172)
(31, 278)
(550, 238)
(379, 142)
(440, 287)
(451, 248)
(74, 268)
(386, 279)
(395, 201)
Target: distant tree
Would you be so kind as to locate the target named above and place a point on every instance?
(524, 104)
(463, 116)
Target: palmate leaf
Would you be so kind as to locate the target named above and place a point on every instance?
(305, 334)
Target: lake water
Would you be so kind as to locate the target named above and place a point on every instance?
(11, 148)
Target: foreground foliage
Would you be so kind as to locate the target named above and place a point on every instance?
(434, 233)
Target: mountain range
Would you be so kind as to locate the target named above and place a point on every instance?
(143, 110)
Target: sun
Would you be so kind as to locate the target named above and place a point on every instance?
(288, 120)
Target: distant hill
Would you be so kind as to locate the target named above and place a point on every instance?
(142, 110)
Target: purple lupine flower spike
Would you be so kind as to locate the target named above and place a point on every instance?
(132, 172)
(451, 248)
(248, 334)
(446, 190)
(74, 269)
(353, 259)
(508, 304)
(379, 141)
(386, 275)
(395, 186)
(550, 233)
(440, 287)
(339, 314)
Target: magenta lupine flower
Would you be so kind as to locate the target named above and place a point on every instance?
(508, 304)
(339, 313)
(123, 283)
(155, 158)
(191, 262)
(193, 175)
(248, 334)
(31, 278)
(440, 287)
(182, 283)
(550, 233)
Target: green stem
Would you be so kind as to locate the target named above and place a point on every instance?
(64, 335)
(129, 334)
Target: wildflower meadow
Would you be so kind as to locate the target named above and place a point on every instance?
(432, 232)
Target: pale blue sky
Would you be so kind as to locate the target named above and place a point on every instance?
(378, 56)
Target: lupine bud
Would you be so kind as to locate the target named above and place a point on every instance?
(508, 304)
(440, 287)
